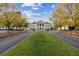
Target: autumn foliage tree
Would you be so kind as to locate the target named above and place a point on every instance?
(66, 14)
(10, 16)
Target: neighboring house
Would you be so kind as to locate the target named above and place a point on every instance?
(77, 27)
(64, 28)
(40, 25)
(68, 28)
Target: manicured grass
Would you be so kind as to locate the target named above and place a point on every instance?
(42, 44)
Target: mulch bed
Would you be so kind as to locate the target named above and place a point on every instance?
(6, 34)
(74, 33)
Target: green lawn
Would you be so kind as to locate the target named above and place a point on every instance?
(42, 44)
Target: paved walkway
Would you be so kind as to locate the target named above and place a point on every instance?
(8, 42)
(68, 39)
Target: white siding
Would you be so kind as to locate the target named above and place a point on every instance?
(45, 26)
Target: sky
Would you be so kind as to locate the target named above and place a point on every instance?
(36, 11)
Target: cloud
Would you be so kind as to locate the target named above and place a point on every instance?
(34, 6)
(50, 12)
(30, 14)
(53, 6)
(26, 4)
(45, 12)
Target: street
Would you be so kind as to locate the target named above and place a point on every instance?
(8, 42)
(68, 39)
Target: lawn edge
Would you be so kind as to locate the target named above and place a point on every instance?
(3, 54)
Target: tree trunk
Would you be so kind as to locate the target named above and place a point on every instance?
(7, 29)
(74, 24)
(71, 32)
(64, 27)
(60, 28)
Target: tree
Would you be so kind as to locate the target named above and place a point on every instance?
(60, 17)
(7, 14)
(70, 12)
(73, 11)
(10, 17)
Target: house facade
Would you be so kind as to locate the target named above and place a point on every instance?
(40, 25)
